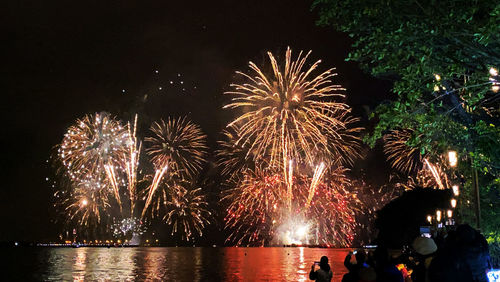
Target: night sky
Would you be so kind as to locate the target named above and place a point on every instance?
(64, 59)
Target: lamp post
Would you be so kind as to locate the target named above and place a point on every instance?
(478, 205)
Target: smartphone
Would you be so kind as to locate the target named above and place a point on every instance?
(354, 252)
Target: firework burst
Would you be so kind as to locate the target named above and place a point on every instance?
(187, 212)
(285, 154)
(178, 145)
(182, 207)
(402, 157)
(128, 227)
(290, 114)
(87, 202)
(258, 213)
(92, 156)
(407, 159)
(92, 144)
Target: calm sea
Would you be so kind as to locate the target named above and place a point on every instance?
(168, 264)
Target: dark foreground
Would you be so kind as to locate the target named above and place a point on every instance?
(178, 264)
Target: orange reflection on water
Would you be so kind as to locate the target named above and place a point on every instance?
(290, 264)
(185, 264)
(80, 264)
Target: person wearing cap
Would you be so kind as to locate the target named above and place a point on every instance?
(424, 249)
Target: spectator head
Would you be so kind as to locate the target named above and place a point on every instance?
(360, 256)
(424, 246)
(465, 234)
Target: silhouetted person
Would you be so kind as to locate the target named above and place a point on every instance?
(424, 250)
(321, 272)
(385, 267)
(354, 268)
(465, 258)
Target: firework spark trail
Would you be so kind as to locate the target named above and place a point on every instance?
(131, 164)
(318, 174)
(289, 184)
(435, 174)
(110, 172)
(154, 186)
(287, 116)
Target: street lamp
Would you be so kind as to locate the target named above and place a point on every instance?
(452, 158)
(453, 203)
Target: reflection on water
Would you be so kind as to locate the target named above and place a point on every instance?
(178, 264)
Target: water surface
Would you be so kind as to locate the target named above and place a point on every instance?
(168, 264)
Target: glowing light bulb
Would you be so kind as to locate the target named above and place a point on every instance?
(453, 203)
(452, 158)
(438, 215)
(493, 71)
(449, 213)
(456, 191)
(429, 219)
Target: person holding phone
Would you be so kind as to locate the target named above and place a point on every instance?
(354, 268)
(321, 271)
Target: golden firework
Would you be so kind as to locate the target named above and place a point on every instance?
(178, 143)
(178, 146)
(290, 114)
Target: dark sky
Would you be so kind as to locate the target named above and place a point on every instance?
(64, 59)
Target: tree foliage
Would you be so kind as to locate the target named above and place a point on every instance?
(443, 57)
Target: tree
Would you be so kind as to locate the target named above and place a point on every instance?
(443, 57)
